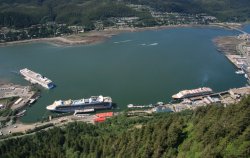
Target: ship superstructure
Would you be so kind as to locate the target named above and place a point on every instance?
(36, 78)
(94, 102)
(192, 93)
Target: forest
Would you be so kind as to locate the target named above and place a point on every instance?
(211, 131)
(24, 13)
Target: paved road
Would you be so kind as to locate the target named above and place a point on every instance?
(20, 127)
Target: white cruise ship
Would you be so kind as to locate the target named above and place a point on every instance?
(36, 78)
(94, 102)
(192, 93)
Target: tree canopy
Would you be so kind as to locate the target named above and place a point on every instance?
(24, 13)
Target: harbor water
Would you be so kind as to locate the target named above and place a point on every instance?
(138, 68)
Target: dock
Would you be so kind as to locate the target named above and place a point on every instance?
(225, 98)
(23, 95)
(237, 60)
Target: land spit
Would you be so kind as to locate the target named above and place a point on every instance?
(97, 36)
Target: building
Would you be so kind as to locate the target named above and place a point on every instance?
(162, 109)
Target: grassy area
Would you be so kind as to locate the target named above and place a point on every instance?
(6, 101)
(6, 112)
(3, 101)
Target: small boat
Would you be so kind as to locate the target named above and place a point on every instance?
(240, 72)
(31, 101)
(21, 113)
(246, 76)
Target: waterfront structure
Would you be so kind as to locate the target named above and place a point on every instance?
(163, 109)
(192, 93)
(36, 78)
(101, 117)
(94, 102)
(225, 98)
(105, 114)
(139, 106)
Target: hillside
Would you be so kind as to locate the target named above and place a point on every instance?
(212, 131)
(24, 13)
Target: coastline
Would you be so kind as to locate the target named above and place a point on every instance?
(94, 37)
(233, 47)
(99, 36)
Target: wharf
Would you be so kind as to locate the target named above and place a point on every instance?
(225, 98)
(24, 93)
(138, 112)
(237, 50)
(237, 60)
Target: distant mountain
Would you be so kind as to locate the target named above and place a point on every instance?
(23, 13)
(227, 10)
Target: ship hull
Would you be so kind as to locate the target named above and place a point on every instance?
(72, 108)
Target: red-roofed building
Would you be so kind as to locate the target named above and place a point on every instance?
(99, 119)
(105, 114)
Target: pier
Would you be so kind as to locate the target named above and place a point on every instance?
(236, 49)
(225, 98)
(23, 95)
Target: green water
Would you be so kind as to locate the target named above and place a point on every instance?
(125, 67)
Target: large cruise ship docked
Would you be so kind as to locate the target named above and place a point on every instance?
(36, 78)
(94, 102)
(192, 93)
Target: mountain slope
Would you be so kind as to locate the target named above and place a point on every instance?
(84, 12)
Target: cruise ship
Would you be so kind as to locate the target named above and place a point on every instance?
(192, 93)
(94, 102)
(36, 78)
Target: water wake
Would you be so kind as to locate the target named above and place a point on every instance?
(204, 80)
(153, 44)
(125, 41)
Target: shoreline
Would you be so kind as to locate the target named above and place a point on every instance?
(95, 37)
(225, 98)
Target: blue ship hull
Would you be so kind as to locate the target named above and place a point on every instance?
(72, 108)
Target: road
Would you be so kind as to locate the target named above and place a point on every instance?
(20, 127)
